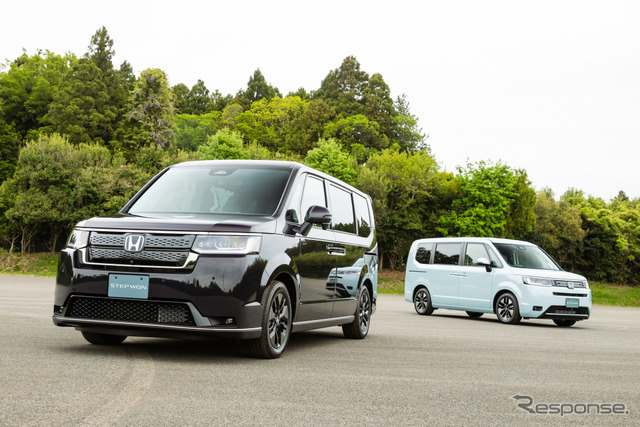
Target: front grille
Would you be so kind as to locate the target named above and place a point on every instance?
(130, 311)
(567, 294)
(558, 310)
(160, 250)
(144, 258)
(155, 241)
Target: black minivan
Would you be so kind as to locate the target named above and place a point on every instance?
(224, 248)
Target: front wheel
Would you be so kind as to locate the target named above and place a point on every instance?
(103, 339)
(359, 328)
(507, 309)
(276, 324)
(564, 322)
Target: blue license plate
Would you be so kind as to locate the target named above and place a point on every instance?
(572, 303)
(128, 286)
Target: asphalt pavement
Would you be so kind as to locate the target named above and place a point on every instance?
(443, 369)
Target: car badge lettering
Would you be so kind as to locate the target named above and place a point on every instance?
(134, 243)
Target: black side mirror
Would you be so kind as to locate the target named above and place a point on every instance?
(318, 215)
(487, 264)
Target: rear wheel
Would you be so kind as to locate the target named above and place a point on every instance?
(564, 322)
(276, 324)
(422, 302)
(474, 314)
(359, 328)
(103, 339)
(507, 309)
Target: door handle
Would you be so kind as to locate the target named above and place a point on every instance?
(336, 250)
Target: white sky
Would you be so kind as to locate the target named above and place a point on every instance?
(552, 87)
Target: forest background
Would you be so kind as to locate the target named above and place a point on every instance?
(78, 137)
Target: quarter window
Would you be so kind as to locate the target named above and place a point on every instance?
(423, 254)
(362, 215)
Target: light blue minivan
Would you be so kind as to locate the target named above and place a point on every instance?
(511, 278)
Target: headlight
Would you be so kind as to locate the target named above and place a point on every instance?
(537, 281)
(227, 244)
(78, 239)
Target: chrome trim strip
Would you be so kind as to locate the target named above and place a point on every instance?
(188, 264)
(73, 321)
(198, 233)
(328, 319)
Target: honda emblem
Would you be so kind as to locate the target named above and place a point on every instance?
(134, 242)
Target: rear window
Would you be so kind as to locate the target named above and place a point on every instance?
(214, 190)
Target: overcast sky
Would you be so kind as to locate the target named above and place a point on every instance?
(552, 87)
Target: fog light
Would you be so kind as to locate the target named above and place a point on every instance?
(229, 321)
(537, 308)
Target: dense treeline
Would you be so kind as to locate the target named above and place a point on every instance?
(78, 137)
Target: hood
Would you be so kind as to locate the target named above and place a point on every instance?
(185, 223)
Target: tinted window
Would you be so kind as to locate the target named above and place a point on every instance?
(313, 194)
(447, 253)
(475, 251)
(423, 254)
(362, 215)
(206, 190)
(341, 210)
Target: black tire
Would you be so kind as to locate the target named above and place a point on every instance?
(276, 324)
(103, 339)
(422, 302)
(474, 314)
(507, 309)
(359, 328)
(564, 323)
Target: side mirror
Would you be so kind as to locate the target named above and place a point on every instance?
(487, 264)
(318, 215)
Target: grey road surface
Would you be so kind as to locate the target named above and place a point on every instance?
(444, 369)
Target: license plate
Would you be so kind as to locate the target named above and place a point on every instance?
(572, 303)
(128, 286)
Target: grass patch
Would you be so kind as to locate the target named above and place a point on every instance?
(391, 282)
(36, 264)
(618, 295)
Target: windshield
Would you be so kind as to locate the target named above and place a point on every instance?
(214, 190)
(526, 256)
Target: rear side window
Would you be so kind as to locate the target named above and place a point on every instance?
(363, 218)
(341, 210)
(447, 253)
(423, 254)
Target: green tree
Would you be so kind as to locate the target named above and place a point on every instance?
(271, 122)
(328, 157)
(83, 108)
(27, 88)
(225, 144)
(344, 88)
(152, 107)
(198, 100)
(486, 204)
(192, 131)
(403, 188)
(179, 94)
(9, 149)
(358, 134)
(404, 128)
